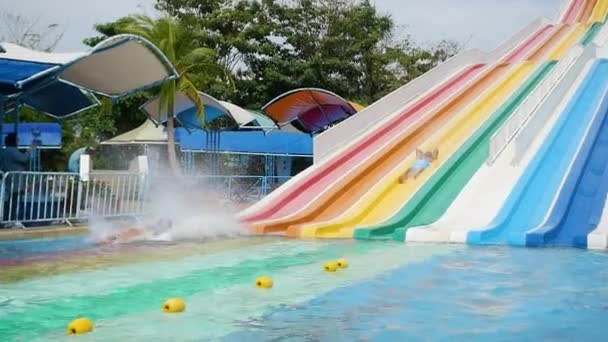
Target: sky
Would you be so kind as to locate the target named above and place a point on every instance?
(482, 24)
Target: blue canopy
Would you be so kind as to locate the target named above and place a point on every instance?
(48, 134)
(249, 142)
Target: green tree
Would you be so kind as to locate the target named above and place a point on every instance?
(175, 41)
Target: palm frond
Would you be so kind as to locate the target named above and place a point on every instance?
(188, 88)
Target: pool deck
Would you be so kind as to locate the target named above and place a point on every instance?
(42, 232)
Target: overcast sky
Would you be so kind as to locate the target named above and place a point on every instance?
(482, 23)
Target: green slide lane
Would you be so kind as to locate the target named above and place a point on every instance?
(434, 198)
(591, 33)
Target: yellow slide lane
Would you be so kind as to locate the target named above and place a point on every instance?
(599, 12)
(573, 37)
(388, 196)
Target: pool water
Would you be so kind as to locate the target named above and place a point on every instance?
(391, 291)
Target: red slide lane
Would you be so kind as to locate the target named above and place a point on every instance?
(572, 14)
(301, 194)
(518, 56)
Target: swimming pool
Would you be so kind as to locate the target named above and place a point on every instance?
(390, 292)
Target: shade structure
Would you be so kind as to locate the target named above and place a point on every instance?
(63, 84)
(47, 134)
(146, 134)
(248, 142)
(262, 122)
(309, 110)
(187, 115)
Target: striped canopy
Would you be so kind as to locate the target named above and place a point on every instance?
(309, 110)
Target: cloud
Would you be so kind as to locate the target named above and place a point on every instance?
(482, 23)
(486, 22)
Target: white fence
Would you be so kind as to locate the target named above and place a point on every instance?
(44, 198)
(39, 197)
(502, 137)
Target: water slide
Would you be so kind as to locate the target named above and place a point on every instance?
(536, 191)
(514, 144)
(568, 223)
(381, 198)
(438, 193)
(295, 203)
(428, 204)
(488, 189)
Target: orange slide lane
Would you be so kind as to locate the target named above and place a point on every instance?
(587, 10)
(343, 198)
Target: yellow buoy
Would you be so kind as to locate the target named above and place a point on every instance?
(174, 305)
(80, 325)
(331, 266)
(264, 282)
(343, 263)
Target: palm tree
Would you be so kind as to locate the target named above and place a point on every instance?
(177, 43)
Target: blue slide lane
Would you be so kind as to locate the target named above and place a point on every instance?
(569, 222)
(532, 197)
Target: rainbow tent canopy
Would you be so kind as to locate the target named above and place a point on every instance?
(309, 110)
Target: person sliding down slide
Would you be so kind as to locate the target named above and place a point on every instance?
(132, 234)
(423, 162)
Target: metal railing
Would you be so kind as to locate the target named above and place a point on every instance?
(113, 194)
(510, 129)
(29, 197)
(61, 197)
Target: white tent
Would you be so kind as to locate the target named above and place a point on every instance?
(146, 134)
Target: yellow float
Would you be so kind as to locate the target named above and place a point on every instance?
(264, 282)
(79, 326)
(331, 266)
(174, 305)
(343, 263)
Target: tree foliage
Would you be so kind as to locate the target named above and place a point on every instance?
(29, 32)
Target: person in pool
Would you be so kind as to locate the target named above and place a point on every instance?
(133, 233)
(423, 162)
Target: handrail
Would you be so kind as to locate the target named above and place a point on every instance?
(512, 127)
(547, 107)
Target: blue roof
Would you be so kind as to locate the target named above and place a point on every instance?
(252, 142)
(13, 71)
(50, 134)
(59, 100)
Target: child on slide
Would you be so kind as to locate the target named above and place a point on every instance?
(423, 162)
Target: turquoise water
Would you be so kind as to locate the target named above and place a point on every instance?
(19, 249)
(478, 294)
(390, 292)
